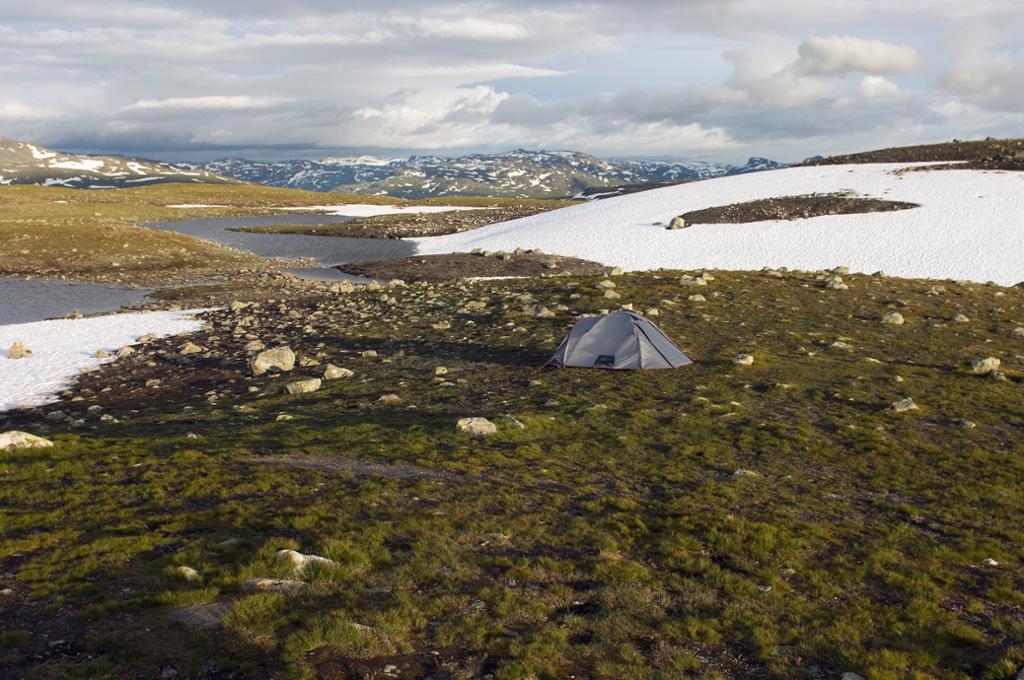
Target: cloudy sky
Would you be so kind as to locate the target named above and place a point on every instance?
(718, 79)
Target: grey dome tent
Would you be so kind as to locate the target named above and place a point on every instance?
(621, 340)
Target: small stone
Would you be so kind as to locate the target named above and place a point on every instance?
(125, 352)
(188, 573)
(605, 284)
(1018, 332)
(960, 318)
(301, 560)
(903, 405)
(742, 472)
(612, 295)
(989, 562)
(389, 399)
(478, 428)
(191, 348)
(332, 372)
(303, 386)
(368, 353)
(893, 319)
(440, 370)
(966, 424)
(984, 366)
(677, 223)
(743, 360)
(616, 271)
(14, 440)
(147, 338)
(278, 359)
(273, 585)
(102, 354)
(19, 351)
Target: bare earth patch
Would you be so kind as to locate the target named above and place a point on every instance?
(792, 208)
(470, 265)
(988, 154)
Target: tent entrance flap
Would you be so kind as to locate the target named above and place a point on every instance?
(622, 340)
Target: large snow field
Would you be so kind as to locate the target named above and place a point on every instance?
(63, 348)
(970, 226)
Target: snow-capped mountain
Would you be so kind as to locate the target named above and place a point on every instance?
(519, 173)
(25, 163)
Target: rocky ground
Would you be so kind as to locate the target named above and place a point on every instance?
(436, 268)
(791, 208)
(379, 481)
(988, 154)
(411, 225)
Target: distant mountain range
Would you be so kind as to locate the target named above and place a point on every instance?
(519, 174)
(25, 163)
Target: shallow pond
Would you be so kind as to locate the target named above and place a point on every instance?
(23, 300)
(329, 251)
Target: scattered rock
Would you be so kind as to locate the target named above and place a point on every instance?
(188, 573)
(893, 319)
(303, 386)
(984, 366)
(279, 359)
(14, 440)
(743, 360)
(616, 271)
(389, 399)
(368, 354)
(742, 472)
(191, 348)
(203, 616)
(697, 297)
(301, 560)
(102, 354)
(903, 405)
(989, 562)
(440, 370)
(478, 428)
(274, 585)
(332, 372)
(19, 351)
(960, 318)
(1018, 332)
(677, 223)
(612, 295)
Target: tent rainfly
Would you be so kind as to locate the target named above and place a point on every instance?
(622, 340)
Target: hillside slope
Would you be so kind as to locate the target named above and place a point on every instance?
(968, 226)
(26, 163)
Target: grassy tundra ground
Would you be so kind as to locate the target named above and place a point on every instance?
(718, 521)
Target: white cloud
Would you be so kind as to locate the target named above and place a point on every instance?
(877, 87)
(839, 55)
(209, 103)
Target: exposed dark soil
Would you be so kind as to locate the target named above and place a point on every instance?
(409, 224)
(792, 208)
(988, 154)
(469, 265)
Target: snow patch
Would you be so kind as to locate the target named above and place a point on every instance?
(62, 348)
(367, 210)
(968, 226)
